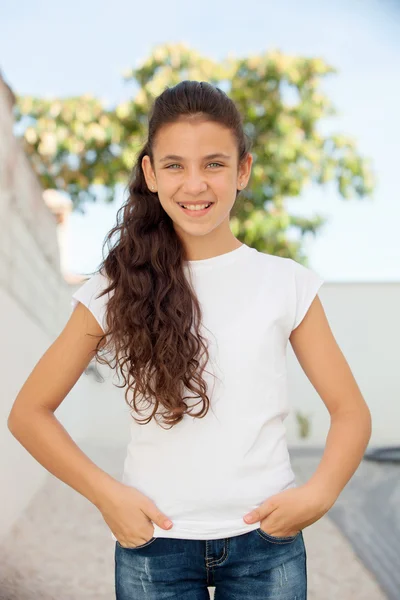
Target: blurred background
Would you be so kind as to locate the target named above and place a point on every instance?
(318, 86)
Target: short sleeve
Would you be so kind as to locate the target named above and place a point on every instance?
(306, 286)
(88, 294)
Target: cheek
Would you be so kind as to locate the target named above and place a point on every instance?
(227, 186)
(224, 181)
(166, 205)
(226, 190)
(168, 192)
(166, 189)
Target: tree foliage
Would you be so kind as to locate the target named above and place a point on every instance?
(76, 143)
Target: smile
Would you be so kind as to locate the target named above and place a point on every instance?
(195, 211)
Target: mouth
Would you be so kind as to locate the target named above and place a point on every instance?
(194, 211)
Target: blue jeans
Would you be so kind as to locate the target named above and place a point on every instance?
(250, 566)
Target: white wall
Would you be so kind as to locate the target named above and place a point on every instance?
(34, 303)
(364, 320)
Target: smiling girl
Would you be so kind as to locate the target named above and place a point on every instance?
(198, 325)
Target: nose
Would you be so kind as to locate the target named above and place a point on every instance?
(194, 183)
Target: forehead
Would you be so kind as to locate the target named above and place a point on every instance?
(193, 138)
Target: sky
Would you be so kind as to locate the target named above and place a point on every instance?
(49, 50)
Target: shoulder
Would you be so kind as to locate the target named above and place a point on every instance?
(275, 266)
(289, 283)
(92, 293)
(286, 267)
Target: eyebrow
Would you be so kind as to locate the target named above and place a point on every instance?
(208, 157)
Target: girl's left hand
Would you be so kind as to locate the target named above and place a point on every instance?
(287, 513)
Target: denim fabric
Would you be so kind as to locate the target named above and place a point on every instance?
(251, 566)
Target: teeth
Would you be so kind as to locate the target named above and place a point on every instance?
(196, 207)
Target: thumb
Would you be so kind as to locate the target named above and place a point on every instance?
(262, 511)
(158, 517)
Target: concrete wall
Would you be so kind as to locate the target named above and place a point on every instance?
(34, 302)
(35, 297)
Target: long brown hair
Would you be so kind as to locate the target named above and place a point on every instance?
(153, 315)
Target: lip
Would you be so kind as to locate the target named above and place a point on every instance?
(196, 213)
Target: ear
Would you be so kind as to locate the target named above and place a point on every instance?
(244, 171)
(149, 173)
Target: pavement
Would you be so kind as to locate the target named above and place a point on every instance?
(61, 548)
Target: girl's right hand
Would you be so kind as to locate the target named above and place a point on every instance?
(129, 514)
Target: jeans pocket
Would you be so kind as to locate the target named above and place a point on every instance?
(275, 539)
(150, 541)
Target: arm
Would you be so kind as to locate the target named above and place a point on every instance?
(32, 421)
(350, 430)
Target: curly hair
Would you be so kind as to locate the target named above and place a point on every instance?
(153, 315)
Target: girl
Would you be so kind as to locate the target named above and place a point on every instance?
(198, 323)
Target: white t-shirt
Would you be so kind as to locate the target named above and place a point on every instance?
(206, 474)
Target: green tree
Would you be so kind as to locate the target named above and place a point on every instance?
(76, 143)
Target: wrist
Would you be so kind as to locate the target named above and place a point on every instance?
(323, 495)
(104, 491)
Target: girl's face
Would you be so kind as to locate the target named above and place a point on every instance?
(196, 162)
